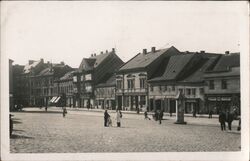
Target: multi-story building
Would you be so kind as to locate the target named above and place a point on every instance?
(65, 85)
(24, 89)
(131, 79)
(91, 72)
(42, 84)
(11, 100)
(222, 90)
(17, 84)
(182, 73)
(105, 94)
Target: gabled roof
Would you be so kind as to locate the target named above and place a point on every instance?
(175, 65)
(226, 61)
(198, 76)
(28, 67)
(234, 71)
(45, 72)
(67, 76)
(143, 60)
(93, 61)
(110, 81)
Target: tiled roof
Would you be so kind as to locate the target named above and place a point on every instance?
(230, 60)
(110, 81)
(198, 75)
(27, 67)
(175, 65)
(45, 72)
(67, 76)
(234, 71)
(93, 61)
(143, 60)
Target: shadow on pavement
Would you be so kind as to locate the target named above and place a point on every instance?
(15, 136)
(18, 130)
(16, 122)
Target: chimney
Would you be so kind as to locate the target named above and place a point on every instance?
(62, 62)
(41, 60)
(107, 51)
(48, 62)
(92, 55)
(113, 50)
(187, 52)
(227, 52)
(153, 49)
(144, 51)
(202, 51)
(101, 52)
(31, 62)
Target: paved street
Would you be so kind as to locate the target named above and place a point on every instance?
(36, 131)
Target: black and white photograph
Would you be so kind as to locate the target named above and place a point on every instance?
(124, 80)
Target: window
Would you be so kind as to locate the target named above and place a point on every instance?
(119, 84)
(166, 88)
(223, 84)
(188, 91)
(201, 90)
(211, 84)
(142, 83)
(194, 91)
(159, 88)
(173, 88)
(143, 100)
(131, 83)
(181, 90)
(88, 77)
(151, 88)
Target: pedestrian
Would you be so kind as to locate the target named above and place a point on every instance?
(170, 112)
(118, 118)
(239, 126)
(194, 112)
(106, 117)
(210, 114)
(137, 110)
(64, 111)
(222, 120)
(160, 116)
(229, 119)
(146, 116)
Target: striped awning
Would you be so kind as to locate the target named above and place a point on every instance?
(53, 99)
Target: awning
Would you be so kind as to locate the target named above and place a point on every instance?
(53, 99)
(57, 99)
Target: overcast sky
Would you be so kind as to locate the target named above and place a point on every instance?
(68, 31)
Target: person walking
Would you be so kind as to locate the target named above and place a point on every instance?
(210, 114)
(160, 116)
(106, 116)
(146, 116)
(64, 111)
(222, 120)
(229, 119)
(118, 118)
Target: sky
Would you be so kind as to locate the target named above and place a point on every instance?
(69, 31)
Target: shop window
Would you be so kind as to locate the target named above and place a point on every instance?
(211, 84)
(223, 84)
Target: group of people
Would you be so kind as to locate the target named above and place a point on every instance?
(228, 117)
(108, 120)
(158, 115)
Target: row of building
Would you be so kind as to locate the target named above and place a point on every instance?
(150, 80)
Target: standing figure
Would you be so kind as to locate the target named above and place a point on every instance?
(194, 112)
(210, 114)
(222, 120)
(64, 111)
(229, 119)
(118, 118)
(146, 115)
(106, 117)
(160, 116)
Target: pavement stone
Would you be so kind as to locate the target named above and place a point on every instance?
(37, 131)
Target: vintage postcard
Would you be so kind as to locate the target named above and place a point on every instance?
(124, 80)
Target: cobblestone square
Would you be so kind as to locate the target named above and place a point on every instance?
(37, 131)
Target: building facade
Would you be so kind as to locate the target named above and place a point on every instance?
(222, 91)
(132, 77)
(91, 72)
